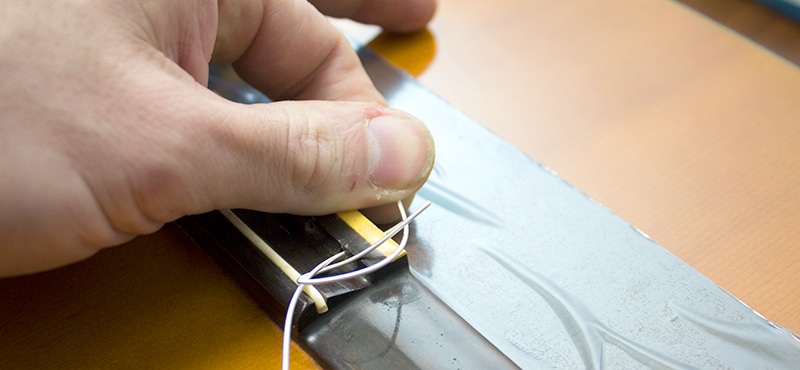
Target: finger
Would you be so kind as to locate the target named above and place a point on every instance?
(289, 50)
(320, 157)
(392, 15)
(311, 157)
(312, 61)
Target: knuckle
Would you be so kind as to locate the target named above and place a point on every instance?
(315, 156)
(155, 191)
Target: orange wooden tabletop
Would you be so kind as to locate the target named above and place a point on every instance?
(676, 124)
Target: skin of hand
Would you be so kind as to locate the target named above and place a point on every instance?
(108, 131)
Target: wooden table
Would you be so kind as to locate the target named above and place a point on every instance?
(676, 124)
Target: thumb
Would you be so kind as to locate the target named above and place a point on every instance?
(310, 157)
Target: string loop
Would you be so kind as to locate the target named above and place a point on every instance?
(328, 264)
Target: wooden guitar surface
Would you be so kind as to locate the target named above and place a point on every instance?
(678, 125)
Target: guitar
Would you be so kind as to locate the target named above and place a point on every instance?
(161, 301)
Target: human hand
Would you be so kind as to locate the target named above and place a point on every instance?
(108, 131)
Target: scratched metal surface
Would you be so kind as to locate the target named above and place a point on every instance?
(549, 276)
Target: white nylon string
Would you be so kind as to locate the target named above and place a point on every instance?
(310, 278)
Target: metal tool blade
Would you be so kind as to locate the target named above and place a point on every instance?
(550, 276)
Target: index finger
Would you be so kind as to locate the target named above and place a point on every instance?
(288, 50)
(393, 15)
